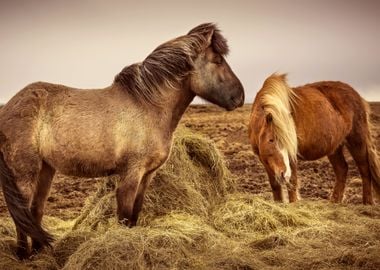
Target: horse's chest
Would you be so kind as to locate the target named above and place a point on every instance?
(151, 153)
(157, 158)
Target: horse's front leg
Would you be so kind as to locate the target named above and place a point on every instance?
(277, 190)
(140, 197)
(126, 195)
(293, 187)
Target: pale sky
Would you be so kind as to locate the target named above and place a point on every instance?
(85, 44)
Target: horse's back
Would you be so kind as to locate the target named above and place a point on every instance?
(22, 110)
(42, 106)
(345, 100)
(326, 113)
(76, 131)
(341, 95)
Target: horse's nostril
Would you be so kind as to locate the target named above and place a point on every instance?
(237, 100)
(241, 100)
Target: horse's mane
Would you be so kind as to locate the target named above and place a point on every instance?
(169, 63)
(278, 99)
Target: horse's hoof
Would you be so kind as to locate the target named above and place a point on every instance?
(36, 248)
(368, 202)
(336, 198)
(22, 254)
(132, 224)
(126, 222)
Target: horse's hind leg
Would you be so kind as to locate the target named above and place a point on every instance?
(20, 178)
(22, 244)
(340, 167)
(22, 238)
(358, 149)
(40, 196)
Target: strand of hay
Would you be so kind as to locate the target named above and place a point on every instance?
(193, 180)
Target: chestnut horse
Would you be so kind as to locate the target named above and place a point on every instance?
(124, 129)
(310, 122)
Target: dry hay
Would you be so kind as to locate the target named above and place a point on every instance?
(244, 214)
(193, 219)
(43, 260)
(69, 243)
(175, 241)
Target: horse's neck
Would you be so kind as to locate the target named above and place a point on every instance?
(175, 105)
(171, 108)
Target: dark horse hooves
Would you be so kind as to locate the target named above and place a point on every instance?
(36, 247)
(22, 253)
(128, 222)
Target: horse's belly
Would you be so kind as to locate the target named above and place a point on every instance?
(313, 153)
(77, 160)
(320, 146)
(83, 166)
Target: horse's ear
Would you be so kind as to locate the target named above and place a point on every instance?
(269, 118)
(209, 35)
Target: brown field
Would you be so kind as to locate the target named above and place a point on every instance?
(187, 224)
(229, 131)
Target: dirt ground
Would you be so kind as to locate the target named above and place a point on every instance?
(229, 131)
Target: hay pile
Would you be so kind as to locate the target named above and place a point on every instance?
(194, 219)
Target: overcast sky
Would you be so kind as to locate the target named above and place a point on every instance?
(86, 43)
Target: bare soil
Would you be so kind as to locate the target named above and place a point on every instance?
(229, 131)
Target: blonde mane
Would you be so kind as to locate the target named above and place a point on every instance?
(169, 63)
(278, 99)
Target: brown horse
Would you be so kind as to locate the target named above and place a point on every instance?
(123, 129)
(310, 122)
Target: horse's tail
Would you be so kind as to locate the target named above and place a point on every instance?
(18, 206)
(373, 157)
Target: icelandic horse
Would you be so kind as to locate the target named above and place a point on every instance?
(124, 129)
(308, 123)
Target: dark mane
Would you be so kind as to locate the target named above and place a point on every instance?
(169, 63)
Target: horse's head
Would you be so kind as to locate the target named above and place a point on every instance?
(274, 156)
(272, 129)
(211, 77)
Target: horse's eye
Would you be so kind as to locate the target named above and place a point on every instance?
(271, 141)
